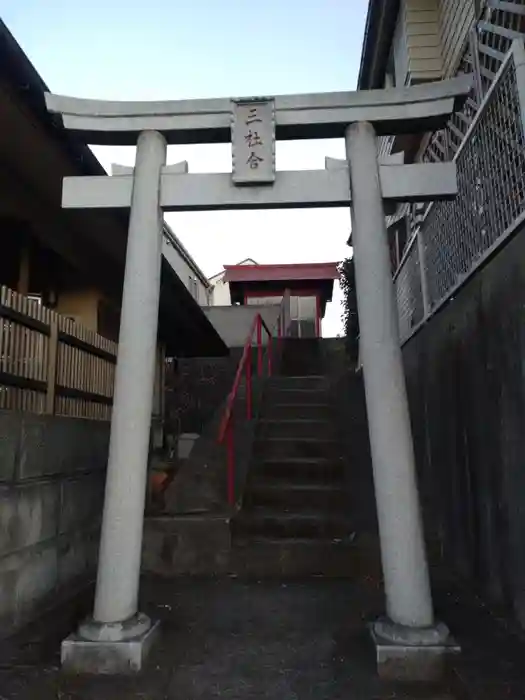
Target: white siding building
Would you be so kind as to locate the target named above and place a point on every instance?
(435, 247)
(220, 290)
(186, 268)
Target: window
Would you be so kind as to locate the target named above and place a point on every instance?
(398, 237)
(264, 301)
(303, 316)
(36, 298)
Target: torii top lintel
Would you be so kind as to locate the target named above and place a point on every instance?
(416, 109)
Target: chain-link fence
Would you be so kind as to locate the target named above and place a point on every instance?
(409, 291)
(456, 236)
(489, 42)
(491, 197)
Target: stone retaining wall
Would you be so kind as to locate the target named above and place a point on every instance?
(52, 472)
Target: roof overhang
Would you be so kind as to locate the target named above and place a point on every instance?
(301, 272)
(183, 325)
(379, 30)
(270, 280)
(93, 242)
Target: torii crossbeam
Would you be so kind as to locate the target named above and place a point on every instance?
(118, 636)
(411, 110)
(420, 182)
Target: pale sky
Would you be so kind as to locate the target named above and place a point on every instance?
(178, 49)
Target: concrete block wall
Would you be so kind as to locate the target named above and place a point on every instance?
(52, 472)
(233, 323)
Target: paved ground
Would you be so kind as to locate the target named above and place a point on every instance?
(297, 641)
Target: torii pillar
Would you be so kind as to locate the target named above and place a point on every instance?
(410, 643)
(118, 637)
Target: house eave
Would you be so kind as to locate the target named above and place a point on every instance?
(379, 30)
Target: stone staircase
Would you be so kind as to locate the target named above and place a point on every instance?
(295, 514)
(307, 507)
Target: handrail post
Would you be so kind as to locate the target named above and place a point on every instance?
(423, 273)
(259, 346)
(518, 54)
(249, 384)
(230, 463)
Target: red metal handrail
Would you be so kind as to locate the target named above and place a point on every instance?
(226, 433)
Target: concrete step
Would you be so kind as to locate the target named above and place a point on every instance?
(305, 447)
(194, 543)
(315, 469)
(296, 428)
(274, 523)
(293, 411)
(298, 557)
(275, 394)
(309, 382)
(302, 357)
(202, 545)
(296, 496)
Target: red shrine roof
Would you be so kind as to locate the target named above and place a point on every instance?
(275, 273)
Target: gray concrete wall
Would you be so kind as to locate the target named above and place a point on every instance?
(233, 323)
(466, 384)
(52, 473)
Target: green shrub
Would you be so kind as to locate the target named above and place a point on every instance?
(349, 316)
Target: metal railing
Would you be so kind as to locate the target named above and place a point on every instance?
(50, 364)
(264, 360)
(490, 39)
(456, 237)
(409, 290)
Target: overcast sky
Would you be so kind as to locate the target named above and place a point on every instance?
(177, 49)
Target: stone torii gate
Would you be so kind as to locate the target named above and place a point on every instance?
(117, 637)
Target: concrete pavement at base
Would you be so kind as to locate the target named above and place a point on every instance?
(292, 641)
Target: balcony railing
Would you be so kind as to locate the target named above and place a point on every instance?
(487, 44)
(456, 237)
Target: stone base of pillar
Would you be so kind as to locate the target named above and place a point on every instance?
(111, 649)
(412, 654)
